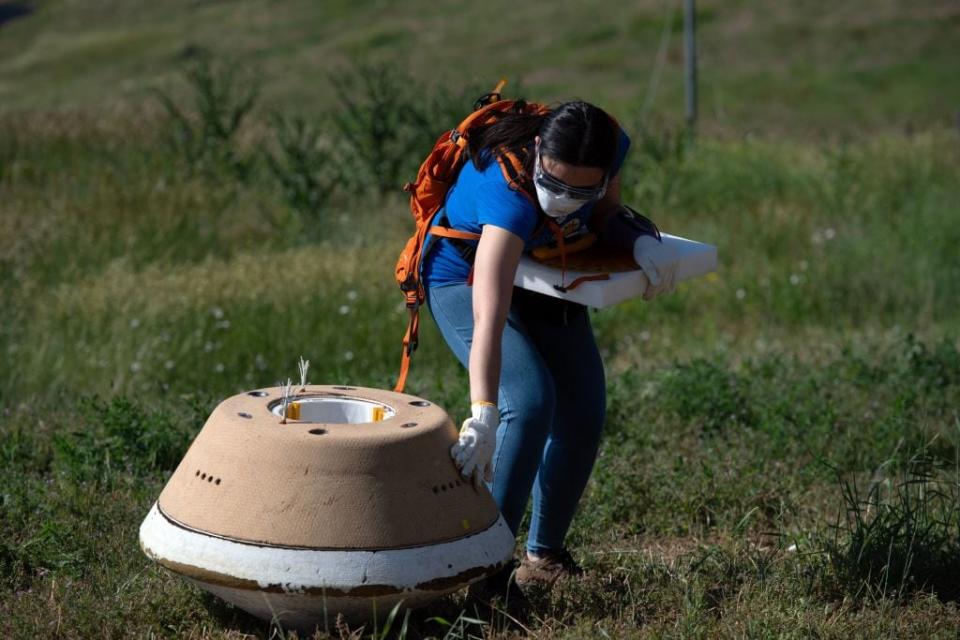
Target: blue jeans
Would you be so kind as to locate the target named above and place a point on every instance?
(552, 405)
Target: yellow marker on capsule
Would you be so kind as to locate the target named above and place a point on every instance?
(466, 524)
(378, 414)
(293, 411)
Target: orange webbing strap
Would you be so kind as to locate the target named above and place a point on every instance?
(579, 281)
(563, 287)
(447, 232)
(410, 340)
(415, 298)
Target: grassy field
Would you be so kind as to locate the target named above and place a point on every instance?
(814, 66)
(781, 453)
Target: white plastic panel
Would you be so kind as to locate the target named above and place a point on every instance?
(696, 259)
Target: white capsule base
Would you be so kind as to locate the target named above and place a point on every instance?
(306, 588)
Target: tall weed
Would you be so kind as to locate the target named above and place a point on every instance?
(902, 536)
(305, 167)
(205, 132)
(9, 148)
(657, 159)
(387, 122)
(378, 121)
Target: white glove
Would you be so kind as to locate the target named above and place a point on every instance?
(659, 265)
(473, 452)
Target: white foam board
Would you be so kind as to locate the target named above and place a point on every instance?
(695, 258)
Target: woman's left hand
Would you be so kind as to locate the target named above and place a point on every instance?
(658, 263)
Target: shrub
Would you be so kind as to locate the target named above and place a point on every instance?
(657, 158)
(303, 165)
(205, 134)
(377, 122)
(387, 123)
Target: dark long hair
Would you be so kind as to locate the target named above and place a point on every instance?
(576, 133)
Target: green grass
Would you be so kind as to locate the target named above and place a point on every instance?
(811, 68)
(781, 448)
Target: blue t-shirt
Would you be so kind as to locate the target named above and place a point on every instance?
(484, 197)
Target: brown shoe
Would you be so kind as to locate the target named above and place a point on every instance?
(547, 569)
(499, 591)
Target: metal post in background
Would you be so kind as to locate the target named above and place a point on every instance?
(690, 60)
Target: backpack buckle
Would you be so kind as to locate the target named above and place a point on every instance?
(486, 99)
(409, 284)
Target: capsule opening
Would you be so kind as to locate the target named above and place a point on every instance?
(333, 410)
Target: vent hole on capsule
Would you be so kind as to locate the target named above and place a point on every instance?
(420, 403)
(408, 425)
(257, 394)
(203, 476)
(317, 432)
(209, 478)
(197, 473)
(217, 481)
(244, 414)
(346, 388)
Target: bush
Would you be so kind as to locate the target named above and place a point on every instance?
(387, 123)
(205, 136)
(304, 167)
(657, 158)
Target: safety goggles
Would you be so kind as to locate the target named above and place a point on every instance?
(560, 188)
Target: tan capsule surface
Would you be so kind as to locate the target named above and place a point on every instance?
(377, 474)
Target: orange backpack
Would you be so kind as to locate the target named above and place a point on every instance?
(435, 177)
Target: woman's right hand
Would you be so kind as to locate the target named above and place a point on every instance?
(473, 451)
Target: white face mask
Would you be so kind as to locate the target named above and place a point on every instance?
(557, 206)
(556, 203)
